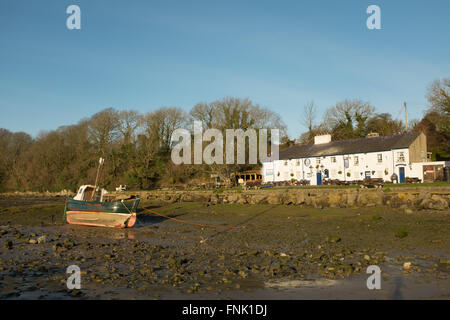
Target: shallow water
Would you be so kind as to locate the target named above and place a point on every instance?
(397, 288)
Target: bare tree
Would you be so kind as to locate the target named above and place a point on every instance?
(160, 124)
(204, 112)
(104, 129)
(308, 118)
(267, 119)
(438, 96)
(233, 113)
(129, 121)
(348, 119)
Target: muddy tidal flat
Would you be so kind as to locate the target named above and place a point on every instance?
(282, 252)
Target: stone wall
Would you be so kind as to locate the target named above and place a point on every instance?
(418, 198)
(401, 197)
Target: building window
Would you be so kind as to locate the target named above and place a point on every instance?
(356, 160)
(400, 156)
(380, 158)
(318, 161)
(333, 159)
(285, 162)
(297, 163)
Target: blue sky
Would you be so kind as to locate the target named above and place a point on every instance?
(281, 54)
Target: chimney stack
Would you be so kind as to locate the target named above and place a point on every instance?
(325, 138)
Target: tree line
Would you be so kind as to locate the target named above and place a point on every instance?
(352, 119)
(137, 146)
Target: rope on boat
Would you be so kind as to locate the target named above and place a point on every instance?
(193, 223)
(132, 213)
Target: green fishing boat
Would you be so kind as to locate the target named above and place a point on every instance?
(90, 208)
(84, 211)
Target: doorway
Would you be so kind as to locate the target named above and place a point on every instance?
(401, 172)
(319, 178)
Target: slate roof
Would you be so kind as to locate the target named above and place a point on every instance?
(362, 145)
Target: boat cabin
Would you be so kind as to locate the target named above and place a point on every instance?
(90, 193)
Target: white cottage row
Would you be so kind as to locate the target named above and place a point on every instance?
(350, 160)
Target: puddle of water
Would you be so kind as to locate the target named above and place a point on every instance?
(301, 283)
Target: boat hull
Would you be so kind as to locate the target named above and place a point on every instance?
(101, 214)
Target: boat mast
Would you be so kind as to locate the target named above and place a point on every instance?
(100, 163)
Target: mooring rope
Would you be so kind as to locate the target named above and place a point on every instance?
(193, 223)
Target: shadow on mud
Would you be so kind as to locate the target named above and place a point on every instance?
(397, 293)
(145, 218)
(242, 223)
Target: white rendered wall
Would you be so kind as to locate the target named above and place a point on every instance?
(307, 168)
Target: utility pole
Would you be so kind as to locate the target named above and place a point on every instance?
(406, 117)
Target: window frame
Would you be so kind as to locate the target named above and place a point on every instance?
(401, 156)
(379, 158)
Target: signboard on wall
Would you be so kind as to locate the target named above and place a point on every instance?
(269, 172)
(307, 162)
